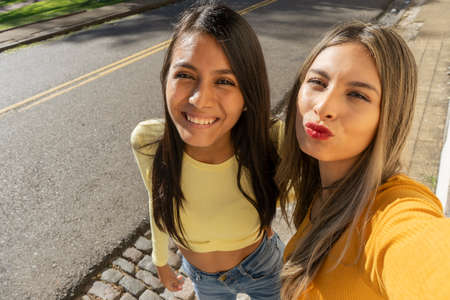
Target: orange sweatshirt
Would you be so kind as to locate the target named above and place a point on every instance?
(406, 252)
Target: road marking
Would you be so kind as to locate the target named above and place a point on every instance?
(84, 79)
(255, 6)
(115, 67)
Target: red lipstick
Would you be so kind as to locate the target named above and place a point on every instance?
(317, 131)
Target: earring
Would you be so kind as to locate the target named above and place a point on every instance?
(245, 108)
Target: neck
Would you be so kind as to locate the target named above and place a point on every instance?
(332, 171)
(214, 154)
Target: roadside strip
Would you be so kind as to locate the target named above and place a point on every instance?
(82, 80)
(442, 187)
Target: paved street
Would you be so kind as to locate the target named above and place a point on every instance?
(70, 192)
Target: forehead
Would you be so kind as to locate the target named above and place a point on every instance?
(351, 60)
(198, 46)
(190, 39)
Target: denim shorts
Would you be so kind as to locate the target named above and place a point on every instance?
(258, 275)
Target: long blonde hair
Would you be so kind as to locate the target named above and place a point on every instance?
(349, 201)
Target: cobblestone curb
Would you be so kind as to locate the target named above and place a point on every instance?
(133, 276)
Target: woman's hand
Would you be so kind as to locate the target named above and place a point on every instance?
(171, 281)
(269, 232)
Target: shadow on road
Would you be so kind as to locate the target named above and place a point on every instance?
(312, 15)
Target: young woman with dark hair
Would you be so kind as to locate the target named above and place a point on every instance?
(364, 230)
(209, 168)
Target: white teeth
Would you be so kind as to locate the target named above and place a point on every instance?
(199, 120)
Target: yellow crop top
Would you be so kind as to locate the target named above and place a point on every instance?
(216, 216)
(406, 252)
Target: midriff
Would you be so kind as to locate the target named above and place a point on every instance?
(219, 261)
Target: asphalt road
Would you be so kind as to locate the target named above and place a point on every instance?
(70, 191)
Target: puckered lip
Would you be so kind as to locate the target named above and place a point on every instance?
(317, 131)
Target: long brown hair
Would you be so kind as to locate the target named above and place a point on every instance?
(254, 149)
(348, 202)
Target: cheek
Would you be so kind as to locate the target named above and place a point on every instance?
(300, 103)
(169, 90)
(305, 103)
(173, 94)
(232, 106)
(371, 120)
(170, 102)
(364, 127)
(299, 130)
(303, 108)
(372, 125)
(240, 106)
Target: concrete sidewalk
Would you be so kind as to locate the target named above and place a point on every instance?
(43, 30)
(428, 35)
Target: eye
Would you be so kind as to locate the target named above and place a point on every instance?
(225, 81)
(358, 95)
(183, 75)
(317, 81)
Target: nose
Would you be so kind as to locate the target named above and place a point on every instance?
(201, 96)
(327, 105)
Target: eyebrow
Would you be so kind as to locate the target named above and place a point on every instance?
(189, 66)
(320, 72)
(185, 65)
(352, 83)
(364, 85)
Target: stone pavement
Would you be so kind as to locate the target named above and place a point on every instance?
(43, 30)
(133, 276)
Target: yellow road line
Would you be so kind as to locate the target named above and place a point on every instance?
(255, 6)
(82, 80)
(93, 78)
(55, 89)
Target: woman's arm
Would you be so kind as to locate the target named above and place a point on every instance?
(407, 254)
(144, 142)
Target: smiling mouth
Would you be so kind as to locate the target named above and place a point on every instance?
(203, 122)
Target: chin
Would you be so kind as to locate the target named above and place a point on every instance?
(314, 153)
(311, 154)
(196, 142)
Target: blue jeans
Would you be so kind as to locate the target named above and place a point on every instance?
(258, 275)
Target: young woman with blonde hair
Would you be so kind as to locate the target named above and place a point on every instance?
(364, 230)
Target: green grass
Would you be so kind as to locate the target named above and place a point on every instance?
(8, 2)
(47, 9)
(431, 182)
